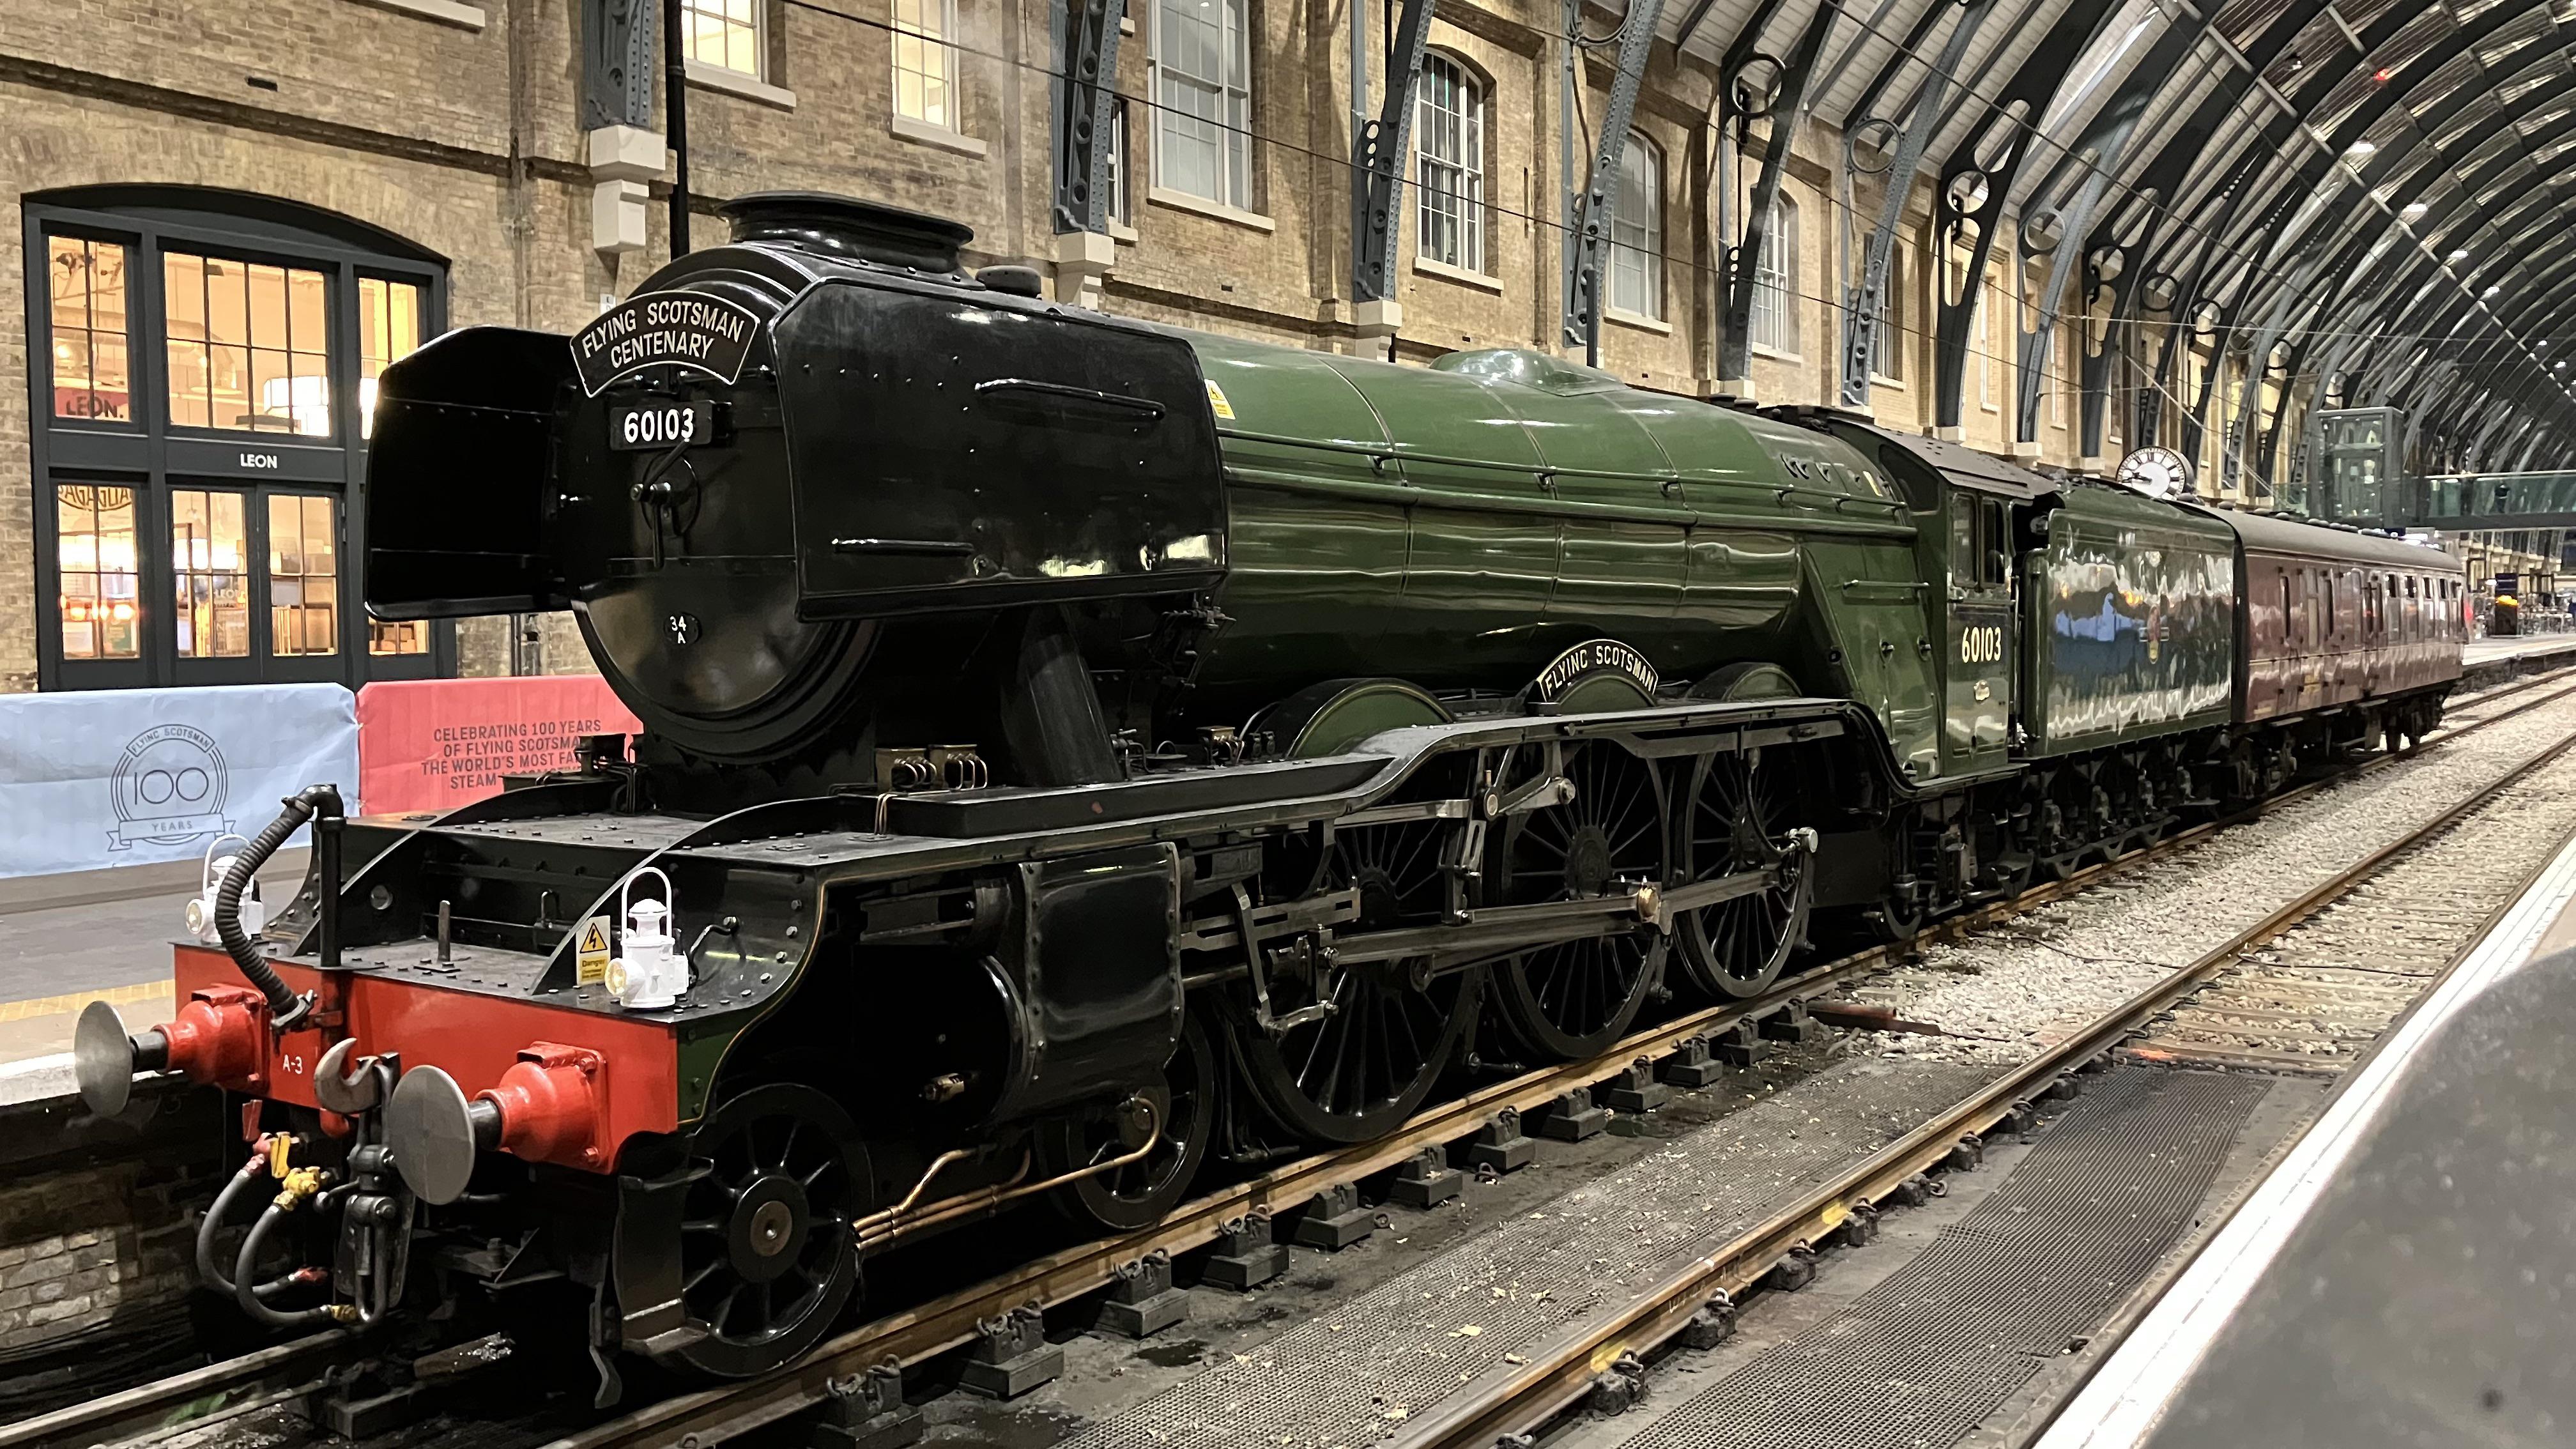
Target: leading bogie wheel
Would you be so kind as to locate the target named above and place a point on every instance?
(1574, 998)
(767, 1261)
(1738, 822)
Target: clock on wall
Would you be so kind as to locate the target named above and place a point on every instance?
(2156, 472)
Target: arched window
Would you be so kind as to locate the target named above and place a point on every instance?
(1450, 139)
(1637, 231)
(212, 358)
(1775, 282)
(1202, 67)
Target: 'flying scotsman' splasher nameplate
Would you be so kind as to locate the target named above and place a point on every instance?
(663, 329)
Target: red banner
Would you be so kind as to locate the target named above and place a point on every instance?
(435, 744)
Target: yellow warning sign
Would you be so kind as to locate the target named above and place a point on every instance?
(591, 957)
(1216, 400)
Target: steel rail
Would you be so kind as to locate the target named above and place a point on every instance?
(1560, 1372)
(191, 1399)
(711, 1416)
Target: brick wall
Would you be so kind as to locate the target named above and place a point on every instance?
(98, 1218)
(468, 141)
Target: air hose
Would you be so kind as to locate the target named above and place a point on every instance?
(285, 1007)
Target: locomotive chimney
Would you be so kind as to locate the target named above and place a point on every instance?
(847, 227)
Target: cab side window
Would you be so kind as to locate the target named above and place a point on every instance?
(1980, 541)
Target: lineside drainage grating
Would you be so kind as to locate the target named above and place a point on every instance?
(1356, 1373)
(1928, 1354)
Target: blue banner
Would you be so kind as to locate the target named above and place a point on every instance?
(139, 776)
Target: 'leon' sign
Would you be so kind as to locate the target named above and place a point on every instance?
(663, 329)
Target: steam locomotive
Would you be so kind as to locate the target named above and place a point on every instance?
(1075, 749)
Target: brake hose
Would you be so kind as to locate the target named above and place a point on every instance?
(285, 1007)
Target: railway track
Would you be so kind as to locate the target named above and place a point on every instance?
(149, 1413)
(1562, 1376)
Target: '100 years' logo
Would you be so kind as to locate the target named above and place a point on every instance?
(168, 788)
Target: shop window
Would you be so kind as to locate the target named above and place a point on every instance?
(91, 377)
(210, 563)
(388, 331)
(94, 541)
(925, 61)
(723, 33)
(303, 575)
(246, 345)
(213, 362)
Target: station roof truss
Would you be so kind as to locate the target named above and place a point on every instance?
(2366, 200)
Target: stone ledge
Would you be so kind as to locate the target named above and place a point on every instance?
(1431, 267)
(923, 132)
(445, 12)
(1184, 201)
(735, 83)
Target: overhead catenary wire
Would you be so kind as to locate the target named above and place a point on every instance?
(1498, 209)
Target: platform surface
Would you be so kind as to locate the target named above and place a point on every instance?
(2519, 646)
(2407, 1274)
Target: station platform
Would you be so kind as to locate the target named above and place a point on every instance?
(56, 959)
(2406, 1274)
(2489, 661)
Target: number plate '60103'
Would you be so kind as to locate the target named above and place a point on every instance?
(661, 424)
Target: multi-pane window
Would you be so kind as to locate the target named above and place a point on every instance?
(87, 281)
(1637, 231)
(722, 32)
(210, 570)
(925, 61)
(246, 345)
(303, 574)
(94, 542)
(1202, 63)
(1117, 169)
(1450, 132)
(388, 330)
(1775, 281)
(1887, 340)
(1986, 342)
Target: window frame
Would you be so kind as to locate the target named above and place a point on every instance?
(150, 455)
(1121, 159)
(1650, 265)
(1775, 277)
(760, 66)
(1469, 195)
(1235, 187)
(946, 44)
(1887, 338)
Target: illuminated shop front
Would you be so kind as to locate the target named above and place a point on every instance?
(205, 369)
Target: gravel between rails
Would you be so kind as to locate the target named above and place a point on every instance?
(2005, 993)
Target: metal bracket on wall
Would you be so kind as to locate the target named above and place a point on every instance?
(1378, 159)
(1785, 105)
(1977, 181)
(2070, 216)
(1589, 220)
(616, 63)
(1085, 94)
(1860, 319)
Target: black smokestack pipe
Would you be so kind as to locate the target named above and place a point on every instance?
(675, 117)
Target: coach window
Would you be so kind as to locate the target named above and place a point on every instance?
(210, 363)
